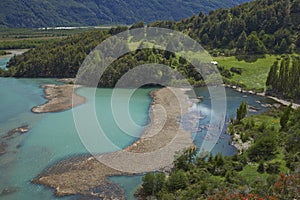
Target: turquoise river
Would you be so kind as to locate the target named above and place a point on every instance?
(53, 136)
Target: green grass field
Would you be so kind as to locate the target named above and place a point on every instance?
(254, 70)
(270, 122)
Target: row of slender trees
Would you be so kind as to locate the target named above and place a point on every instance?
(284, 78)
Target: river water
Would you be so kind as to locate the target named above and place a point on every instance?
(3, 61)
(53, 136)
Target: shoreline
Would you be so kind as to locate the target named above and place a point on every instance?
(262, 94)
(236, 139)
(157, 134)
(60, 98)
(13, 52)
(81, 175)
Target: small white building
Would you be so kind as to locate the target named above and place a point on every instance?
(214, 62)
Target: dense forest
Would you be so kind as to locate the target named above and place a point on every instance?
(68, 54)
(283, 79)
(53, 13)
(262, 26)
(268, 169)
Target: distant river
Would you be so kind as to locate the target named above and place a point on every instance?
(53, 136)
(4, 61)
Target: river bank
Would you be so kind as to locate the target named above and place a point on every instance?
(13, 52)
(263, 94)
(153, 151)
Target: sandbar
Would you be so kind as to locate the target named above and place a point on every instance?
(82, 174)
(60, 98)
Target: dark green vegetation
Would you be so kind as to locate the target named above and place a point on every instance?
(242, 111)
(26, 38)
(3, 53)
(268, 169)
(62, 59)
(262, 26)
(33, 13)
(284, 78)
(230, 31)
(24, 44)
(29, 33)
(56, 59)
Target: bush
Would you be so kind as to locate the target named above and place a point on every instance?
(153, 183)
(264, 148)
(273, 168)
(261, 167)
(177, 180)
(236, 70)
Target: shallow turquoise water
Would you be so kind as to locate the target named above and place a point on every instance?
(54, 137)
(130, 184)
(4, 61)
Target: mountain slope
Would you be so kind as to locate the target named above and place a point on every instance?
(261, 26)
(36, 13)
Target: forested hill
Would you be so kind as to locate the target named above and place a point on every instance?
(262, 26)
(35, 13)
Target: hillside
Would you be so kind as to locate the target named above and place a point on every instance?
(262, 26)
(49, 13)
(244, 29)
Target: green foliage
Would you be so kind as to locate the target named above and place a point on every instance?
(3, 53)
(242, 111)
(177, 180)
(241, 42)
(285, 117)
(284, 78)
(264, 148)
(273, 168)
(49, 13)
(209, 174)
(261, 167)
(257, 172)
(63, 58)
(253, 28)
(185, 160)
(283, 47)
(254, 68)
(59, 58)
(235, 30)
(236, 70)
(25, 44)
(153, 183)
(262, 127)
(254, 45)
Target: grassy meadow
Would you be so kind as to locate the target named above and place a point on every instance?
(254, 69)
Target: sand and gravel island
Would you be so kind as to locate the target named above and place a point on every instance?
(154, 150)
(60, 98)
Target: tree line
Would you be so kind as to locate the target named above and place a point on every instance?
(283, 79)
